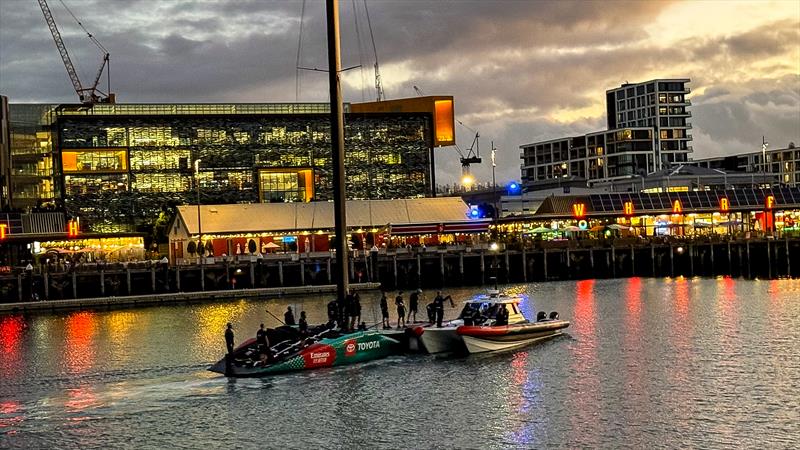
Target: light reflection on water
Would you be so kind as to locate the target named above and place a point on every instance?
(647, 362)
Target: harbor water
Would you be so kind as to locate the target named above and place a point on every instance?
(664, 363)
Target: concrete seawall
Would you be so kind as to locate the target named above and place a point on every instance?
(169, 298)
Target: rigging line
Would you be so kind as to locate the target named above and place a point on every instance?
(360, 51)
(378, 85)
(94, 40)
(299, 46)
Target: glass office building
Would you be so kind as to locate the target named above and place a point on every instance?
(117, 166)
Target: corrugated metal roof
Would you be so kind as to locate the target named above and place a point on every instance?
(272, 217)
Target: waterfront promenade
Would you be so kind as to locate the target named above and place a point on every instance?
(431, 267)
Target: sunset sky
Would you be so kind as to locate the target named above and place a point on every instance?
(520, 71)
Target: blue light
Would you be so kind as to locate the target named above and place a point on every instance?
(289, 239)
(514, 188)
(474, 212)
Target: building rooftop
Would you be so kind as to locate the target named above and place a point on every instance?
(276, 217)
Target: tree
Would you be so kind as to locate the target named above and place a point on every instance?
(252, 247)
(191, 248)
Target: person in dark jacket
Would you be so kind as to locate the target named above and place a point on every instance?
(438, 307)
(303, 323)
(413, 305)
(401, 309)
(229, 338)
(261, 339)
(333, 312)
(288, 316)
(502, 316)
(384, 311)
(355, 311)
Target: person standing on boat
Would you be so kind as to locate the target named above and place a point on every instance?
(303, 323)
(413, 305)
(333, 313)
(384, 311)
(288, 316)
(438, 307)
(401, 309)
(501, 319)
(355, 311)
(229, 338)
(261, 340)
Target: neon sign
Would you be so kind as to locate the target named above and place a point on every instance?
(72, 228)
(724, 205)
(579, 210)
(583, 224)
(769, 202)
(628, 208)
(3, 230)
(677, 207)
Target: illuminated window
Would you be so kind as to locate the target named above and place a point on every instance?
(97, 160)
(286, 185)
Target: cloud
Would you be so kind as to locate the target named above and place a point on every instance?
(519, 71)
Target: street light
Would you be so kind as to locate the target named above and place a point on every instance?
(493, 247)
(199, 224)
(764, 145)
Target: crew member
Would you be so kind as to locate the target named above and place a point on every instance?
(333, 313)
(355, 311)
(502, 316)
(413, 305)
(229, 346)
(438, 307)
(261, 340)
(288, 316)
(401, 309)
(384, 311)
(303, 323)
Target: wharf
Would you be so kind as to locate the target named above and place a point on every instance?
(170, 298)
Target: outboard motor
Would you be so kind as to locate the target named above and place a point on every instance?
(554, 315)
(541, 316)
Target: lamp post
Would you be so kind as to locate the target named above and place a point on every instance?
(494, 247)
(201, 250)
(764, 145)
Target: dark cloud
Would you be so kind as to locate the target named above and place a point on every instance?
(520, 71)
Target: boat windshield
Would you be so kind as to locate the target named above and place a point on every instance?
(484, 309)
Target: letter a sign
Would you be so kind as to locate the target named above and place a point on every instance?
(677, 207)
(578, 210)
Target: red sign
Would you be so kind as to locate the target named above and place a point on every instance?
(724, 206)
(350, 347)
(769, 203)
(677, 207)
(579, 210)
(628, 208)
(3, 230)
(319, 355)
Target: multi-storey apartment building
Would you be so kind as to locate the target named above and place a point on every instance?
(648, 131)
(783, 162)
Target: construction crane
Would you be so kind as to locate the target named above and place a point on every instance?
(378, 84)
(472, 155)
(88, 95)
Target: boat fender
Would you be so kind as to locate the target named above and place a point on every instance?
(540, 316)
(554, 315)
(417, 331)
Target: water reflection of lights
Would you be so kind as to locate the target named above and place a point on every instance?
(80, 330)
(585, 382)
(11, 331)
(211, 321)
(11, 415)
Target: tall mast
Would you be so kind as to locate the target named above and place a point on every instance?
(337, 148)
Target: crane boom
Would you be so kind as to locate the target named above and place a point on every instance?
(87, 95)
(62, 49)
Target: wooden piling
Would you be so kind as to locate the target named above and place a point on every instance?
(524, 265)
(441, 266)
(748, 259)
(691, 261)
(613, 261)
(788, 259)
(152, 279)
(46, 281)
(545, 264)
(671, 261)
(633, 262)
(202, 278)
(252, 274)
(102, 282)
(178, 277)
(280, 272)
(330, 275)
(75, 284)
(302, 273)
(652, 260)
(711, 255)
(769, 260)
(483, 268)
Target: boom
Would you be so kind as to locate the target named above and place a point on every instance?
(87, 95)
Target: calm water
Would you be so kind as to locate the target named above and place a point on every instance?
(647, 363)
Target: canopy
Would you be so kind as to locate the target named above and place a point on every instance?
(572, 228)
(539, 230)
(617, 226)
(598, 228)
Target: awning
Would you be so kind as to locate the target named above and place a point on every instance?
(441, 228)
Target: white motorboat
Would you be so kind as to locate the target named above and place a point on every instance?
(477, 311)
